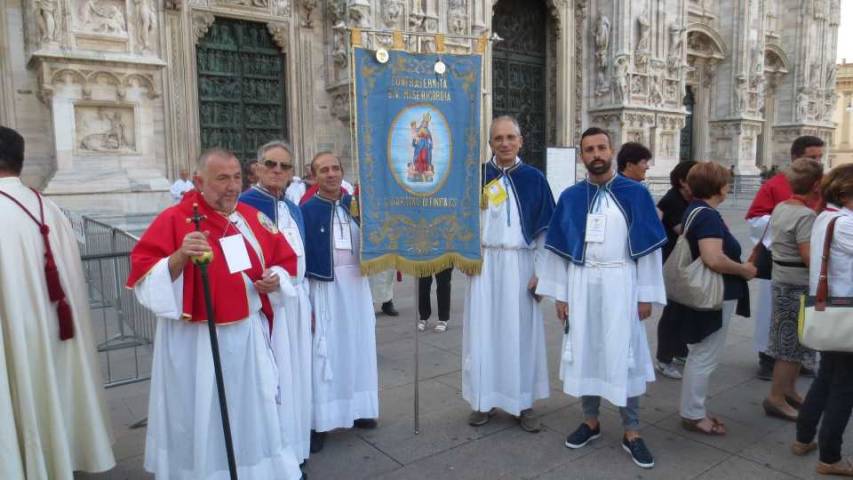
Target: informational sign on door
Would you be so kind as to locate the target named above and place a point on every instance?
(560, 165)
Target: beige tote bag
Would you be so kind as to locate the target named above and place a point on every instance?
(690, 282)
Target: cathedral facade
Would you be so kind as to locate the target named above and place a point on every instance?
(115, 96)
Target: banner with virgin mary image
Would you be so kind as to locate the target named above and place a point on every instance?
(417, 129)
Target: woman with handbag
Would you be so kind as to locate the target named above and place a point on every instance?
(790, 228)
(704, 328)
(831, 392)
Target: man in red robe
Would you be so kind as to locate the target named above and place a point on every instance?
(772, 193)
(249, 277)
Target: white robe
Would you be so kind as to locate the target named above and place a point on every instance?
(764, 299)
(184, 438)
(179, 188)
(606, 352)
(291, 343)
(382, 286)
(504, 362)
(52, 415)
(346, 383)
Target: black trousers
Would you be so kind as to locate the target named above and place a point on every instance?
(830, 396)
(442, 291)
(669, 336)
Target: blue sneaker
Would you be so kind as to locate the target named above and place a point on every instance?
(639, 453)
(582, 436)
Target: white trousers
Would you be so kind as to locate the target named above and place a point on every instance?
(701, 363)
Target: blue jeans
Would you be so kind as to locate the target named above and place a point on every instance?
(630, 412)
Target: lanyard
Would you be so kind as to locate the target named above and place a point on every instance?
(507, 202)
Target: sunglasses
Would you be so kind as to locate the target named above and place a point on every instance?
(272, 164)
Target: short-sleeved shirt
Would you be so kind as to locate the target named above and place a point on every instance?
(708, 223)
(790, 225)
(672, 205)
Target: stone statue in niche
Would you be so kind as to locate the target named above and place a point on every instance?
(308, 6)
(359, 14)
(457, 19)
(392, 11)
(102, 17)
(655, 95)
(105, 133)
(46, 18)
(740, 94)
(146, 17)
(621, 79)
(802, 105)
(828, 110)
(676, 36)
(601, 41)
(642, 50)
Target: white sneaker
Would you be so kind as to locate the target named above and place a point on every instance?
(441, 326)
(422, 324)
(667, 370)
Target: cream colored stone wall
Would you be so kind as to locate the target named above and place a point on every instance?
(842, 147)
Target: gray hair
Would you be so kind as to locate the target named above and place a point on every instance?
(274, 144)
(201, 165)
(504, 118)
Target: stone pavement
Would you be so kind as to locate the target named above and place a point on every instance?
(447, 448)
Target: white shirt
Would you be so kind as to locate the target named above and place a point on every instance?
(840, 272)
(179, 188)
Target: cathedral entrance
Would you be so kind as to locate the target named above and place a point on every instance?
(519, 72)
(686, 150)
(240, 87)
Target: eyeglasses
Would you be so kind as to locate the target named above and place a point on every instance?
(272, 164)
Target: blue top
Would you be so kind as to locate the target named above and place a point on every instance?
(266, 202)
(567, 233)
(318, 214)
(708, 223)
(532, 194)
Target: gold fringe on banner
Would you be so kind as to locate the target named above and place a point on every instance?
(482, 43)
(356, 37)
(439, 43)
(418, 268)
(398, 43)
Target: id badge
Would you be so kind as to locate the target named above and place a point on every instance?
(294, 240)
(236, 255)
(495, 192)
(595, 225)
(343, 237)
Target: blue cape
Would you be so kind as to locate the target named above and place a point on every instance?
(318, 214)
(532, 193)
(264, 201)
(568, 226)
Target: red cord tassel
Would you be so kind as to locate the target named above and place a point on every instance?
(51, 275)
(66, 320)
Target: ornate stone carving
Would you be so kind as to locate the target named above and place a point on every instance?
(457, 18)
(740, 94)
(280, 33)
(802, 105)
(102, 16)
(340, 106)
(674, 58)
(641, 53)
(621, 79)
(392, 13)
(201, 24)
(46, 16)
(308, 7)
(360, 13)
(601, 42)
(105, 129)
(146, 18)
(281, 8)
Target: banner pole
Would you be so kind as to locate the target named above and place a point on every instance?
(417, 359)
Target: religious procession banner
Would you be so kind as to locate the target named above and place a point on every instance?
(418, 152)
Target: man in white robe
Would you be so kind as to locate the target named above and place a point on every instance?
(604, 270)
(346, 383)
(382, 291)
(503, 341)
(52, 415)
(291, 339)
(185, 436)
(181, 185)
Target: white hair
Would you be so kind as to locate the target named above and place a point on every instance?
(274, 144)
(504, 118)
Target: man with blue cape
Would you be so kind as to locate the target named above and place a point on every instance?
(604, 269)
(503, 337)
(291, 338)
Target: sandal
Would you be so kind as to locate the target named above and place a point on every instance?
(793, 402)
(718, 428)
(773, 411)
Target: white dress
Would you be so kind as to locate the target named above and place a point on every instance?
(346, 384)
(291, 343)
(53, 420)
(504, 362)
(606, 352)
(184, 438)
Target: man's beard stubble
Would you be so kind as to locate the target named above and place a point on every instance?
(599, 167)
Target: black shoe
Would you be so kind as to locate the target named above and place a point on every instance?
(388, 309)
(638, 451)
(582, 436)
(365, 423)
(765, 372)
(318, 439)
(807, 372)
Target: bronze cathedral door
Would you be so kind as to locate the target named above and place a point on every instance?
(240, 87)
(519, 73)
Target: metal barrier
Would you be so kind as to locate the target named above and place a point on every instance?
(124, 328)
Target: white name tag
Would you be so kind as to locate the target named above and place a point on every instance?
(595, 225)
(343, 237)
(236, 255)
(294, 240)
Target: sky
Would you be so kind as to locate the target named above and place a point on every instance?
(845, 32)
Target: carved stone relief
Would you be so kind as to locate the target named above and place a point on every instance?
(106, 17)
(105, 129)
(392, 13)
(621, 79)
(457, 18)
(308, 7)
(601, 43)
(146, 20)
(46, 17)
(641, 52)
(674, 58)
(201, 22)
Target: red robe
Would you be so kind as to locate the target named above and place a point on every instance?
(772, 193)
(228, 291)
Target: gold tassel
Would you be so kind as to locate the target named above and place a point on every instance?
(484, 199)
(417, 268)
(353, 207)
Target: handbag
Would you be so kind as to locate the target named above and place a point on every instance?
(826, 323)
(690, 282)
(762, 258)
